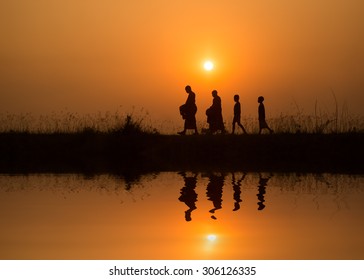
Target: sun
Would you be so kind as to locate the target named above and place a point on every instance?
(208, 65)
(211, 237)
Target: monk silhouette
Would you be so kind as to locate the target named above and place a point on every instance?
(214, 114)
(188, 112)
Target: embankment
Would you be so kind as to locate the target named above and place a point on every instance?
(113, 152)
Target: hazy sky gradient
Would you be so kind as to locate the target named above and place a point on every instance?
(91, 55)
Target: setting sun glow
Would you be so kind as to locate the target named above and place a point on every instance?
(208, 65)
(211, 237)
(88, 57)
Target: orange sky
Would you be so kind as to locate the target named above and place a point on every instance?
(89, 55)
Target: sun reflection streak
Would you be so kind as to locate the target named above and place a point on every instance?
(211, 244)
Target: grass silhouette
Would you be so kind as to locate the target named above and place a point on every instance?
(115, 143)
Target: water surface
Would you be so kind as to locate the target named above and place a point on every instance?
(172, 215)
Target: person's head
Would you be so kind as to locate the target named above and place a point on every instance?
(214, 93)
(188, 89)
(236, 97)
(260, 99)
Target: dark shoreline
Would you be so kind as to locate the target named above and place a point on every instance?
(92, 152)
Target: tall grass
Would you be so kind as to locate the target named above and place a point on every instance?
(68, 122)
(318, 124)
(108, 122)
(322, 122)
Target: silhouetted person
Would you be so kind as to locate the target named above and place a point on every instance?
(188, 111)
(214, 192)
(214, 114)
(188, 194)
(261, 113)
(261, 191)
(237, 114)
(237, 191)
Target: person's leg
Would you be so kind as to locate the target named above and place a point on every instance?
(270, 130)
(242, 127)
(183, 132)
(196, 132)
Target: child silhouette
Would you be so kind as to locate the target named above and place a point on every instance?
(261, 114)
(237, 113)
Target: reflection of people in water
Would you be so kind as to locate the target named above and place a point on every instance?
(214, 192)
(261, 191)
(214, 114)
(188, 111)
(188, 194)
(237, 190)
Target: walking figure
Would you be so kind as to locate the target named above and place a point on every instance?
(237, 113)
(214, 114)
(188, 111)
(261, 113)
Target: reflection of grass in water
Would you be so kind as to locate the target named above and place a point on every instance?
(73, 183)
(134, 123)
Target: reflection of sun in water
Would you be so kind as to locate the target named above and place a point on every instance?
(211, 237)
(208, 65)
(211, 245)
